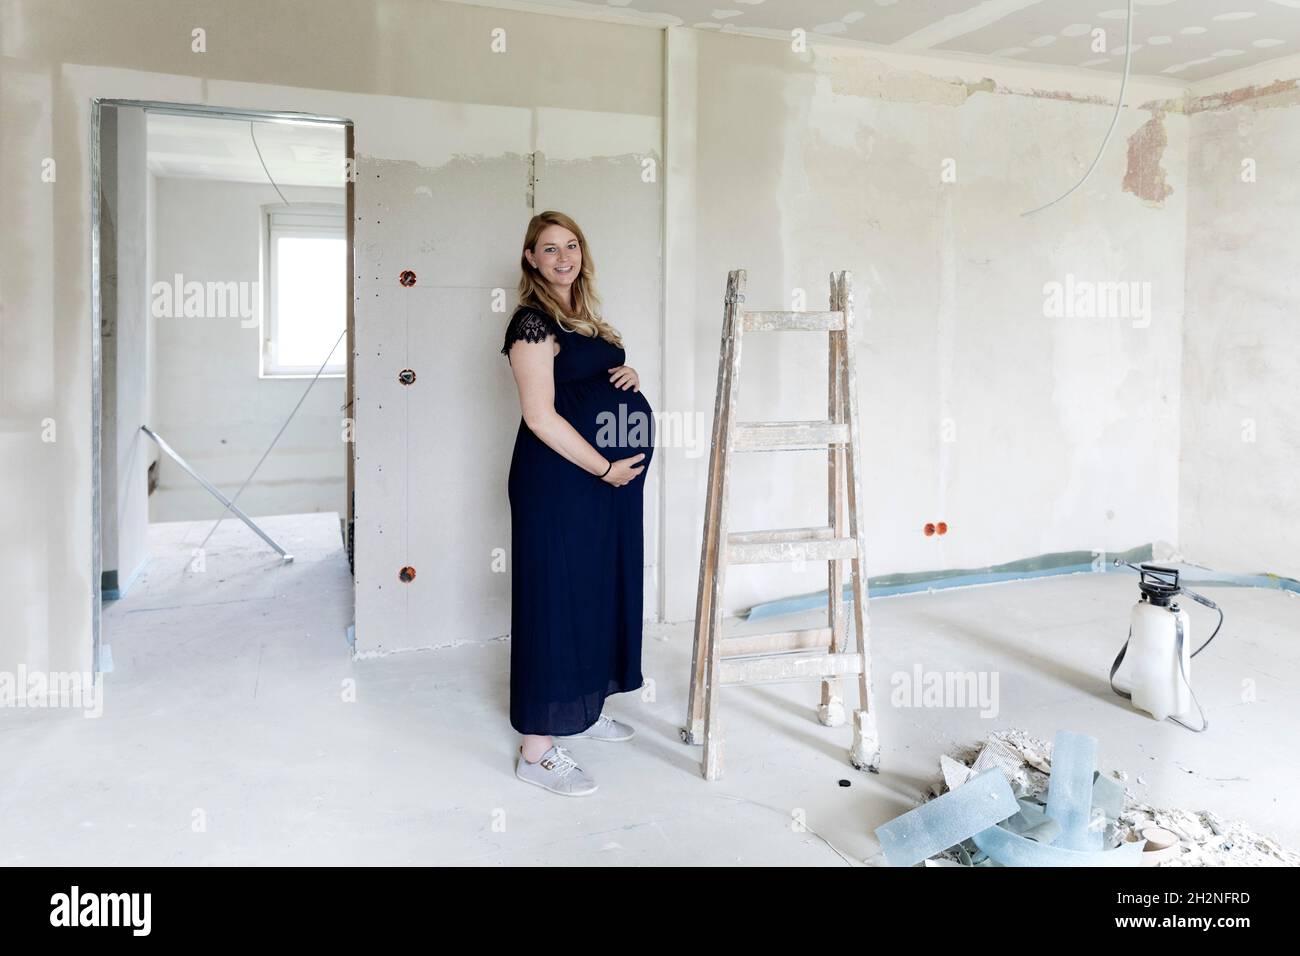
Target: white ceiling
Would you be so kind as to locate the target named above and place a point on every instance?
(1175, 39)
(201, 147)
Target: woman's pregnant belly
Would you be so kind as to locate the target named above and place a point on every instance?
(618, 422)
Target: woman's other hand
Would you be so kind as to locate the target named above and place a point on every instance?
(624, 377)
(624, 470)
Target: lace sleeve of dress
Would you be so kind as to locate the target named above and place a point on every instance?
(528, 326)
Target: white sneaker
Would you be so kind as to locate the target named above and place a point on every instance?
(605, 728)
(556, 771)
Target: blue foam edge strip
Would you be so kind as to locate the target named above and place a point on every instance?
(808, 602)
(1205, 578)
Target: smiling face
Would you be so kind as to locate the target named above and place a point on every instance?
(557, 255)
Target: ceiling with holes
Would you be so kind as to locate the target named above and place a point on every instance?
(1185, 40)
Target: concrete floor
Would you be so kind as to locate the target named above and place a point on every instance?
(226, 738)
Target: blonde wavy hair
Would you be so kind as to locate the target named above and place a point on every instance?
(535, 292)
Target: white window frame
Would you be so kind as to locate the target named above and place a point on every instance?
(304, 220)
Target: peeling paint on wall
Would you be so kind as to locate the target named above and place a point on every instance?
(855, 75)
(1064, 95)
(1277, 94)
(1144, 177)
(1174, 105)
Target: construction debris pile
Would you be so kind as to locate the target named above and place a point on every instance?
(1020, 801)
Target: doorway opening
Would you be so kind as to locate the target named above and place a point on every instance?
(222, 359)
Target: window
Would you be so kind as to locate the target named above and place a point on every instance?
(305, 283)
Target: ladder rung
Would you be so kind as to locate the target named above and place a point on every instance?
(788, 667)
(788, 544)
(776, 642)
(788, 436)
(780, 534)
(793, 321)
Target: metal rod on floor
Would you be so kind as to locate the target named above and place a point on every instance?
(215, 493)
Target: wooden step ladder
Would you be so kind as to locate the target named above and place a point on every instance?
(811, 654)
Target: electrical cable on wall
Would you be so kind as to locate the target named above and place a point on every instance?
(253, 133)
(1119, 105)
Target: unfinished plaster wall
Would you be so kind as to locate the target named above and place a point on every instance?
(1026, 433)
(1241, 348)
(457, 93)
(434, 456)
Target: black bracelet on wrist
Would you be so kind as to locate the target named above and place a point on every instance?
(607, 470)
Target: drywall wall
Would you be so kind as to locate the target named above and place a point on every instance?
(452, 91)
(433, 456)
(1026, 432)
(1241, 367)
(212, 407)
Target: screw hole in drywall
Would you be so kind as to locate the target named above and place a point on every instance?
(406, 278)
(406, 575)
(406, 376)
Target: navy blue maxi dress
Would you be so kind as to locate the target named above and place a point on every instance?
(576, 543)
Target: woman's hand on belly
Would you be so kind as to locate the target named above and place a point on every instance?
(624, 377)
(624, 470)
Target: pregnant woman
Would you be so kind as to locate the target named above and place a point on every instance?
(576, 482)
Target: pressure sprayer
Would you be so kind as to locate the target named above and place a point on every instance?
(1157, 649)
